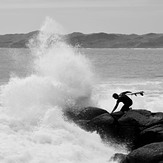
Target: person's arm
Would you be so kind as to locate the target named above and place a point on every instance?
(115, 107)
(123, 93)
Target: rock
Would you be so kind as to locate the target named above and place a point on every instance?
(90, 113)
(135, 128)
(118, 157)
(135, 118)
(151, 153)
(150, 135)
(117, 115)
(104, 119)
(105, 125)
(84, 113)
(84, 124)
(141, 118)
(134, 124)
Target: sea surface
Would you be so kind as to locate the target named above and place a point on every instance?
(39, 83)
(118, 70)
(114, 70)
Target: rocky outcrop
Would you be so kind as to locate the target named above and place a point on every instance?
(151, 153)
(141, 130)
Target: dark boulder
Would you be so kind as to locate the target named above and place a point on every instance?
(141, 127)
(117, 114)
(151, 153)
(118, 157)
(150, 135)
(104, 119)
(87, 113)
(135, 118)
(136, 128)
(105, 125)
(90, 113)
(141, 118)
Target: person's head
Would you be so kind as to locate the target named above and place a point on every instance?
(115, 95)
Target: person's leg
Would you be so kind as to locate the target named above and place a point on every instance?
(125, 108)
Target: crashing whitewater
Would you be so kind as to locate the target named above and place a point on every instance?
(32, 126)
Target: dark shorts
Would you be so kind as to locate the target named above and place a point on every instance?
(125, 108)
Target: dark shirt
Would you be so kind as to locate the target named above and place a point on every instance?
(125, 100)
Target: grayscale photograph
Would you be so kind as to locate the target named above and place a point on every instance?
(81, 81)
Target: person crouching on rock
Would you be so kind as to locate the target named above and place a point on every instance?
(124, 99)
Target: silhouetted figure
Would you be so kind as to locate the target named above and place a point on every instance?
(124, 99)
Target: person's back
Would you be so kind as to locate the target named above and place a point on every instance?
(125, 100)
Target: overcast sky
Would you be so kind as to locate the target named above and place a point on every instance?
(87, 16)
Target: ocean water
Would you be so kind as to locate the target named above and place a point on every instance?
(118, 70)
(39, 83)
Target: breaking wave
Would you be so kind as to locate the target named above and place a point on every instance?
(32, 126)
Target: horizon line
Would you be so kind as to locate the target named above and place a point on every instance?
(116, 33)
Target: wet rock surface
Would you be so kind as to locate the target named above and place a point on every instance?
(141, 130)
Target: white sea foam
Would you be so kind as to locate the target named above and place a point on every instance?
(32, 127)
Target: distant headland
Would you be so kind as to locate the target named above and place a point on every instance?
(93, 40)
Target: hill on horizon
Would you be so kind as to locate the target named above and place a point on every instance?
(93, 40)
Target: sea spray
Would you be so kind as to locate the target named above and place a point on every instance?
(61, 76)
(32, 125)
